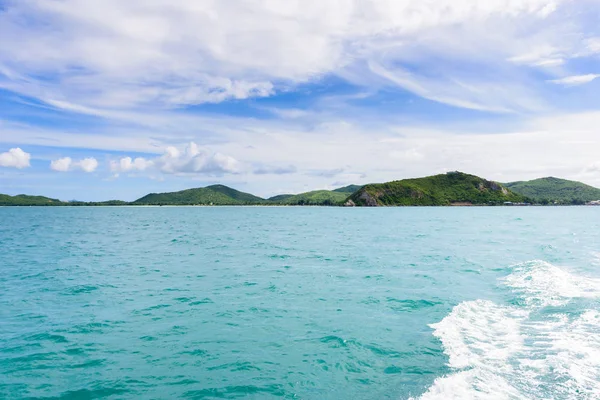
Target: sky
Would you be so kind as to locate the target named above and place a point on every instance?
(112, 99)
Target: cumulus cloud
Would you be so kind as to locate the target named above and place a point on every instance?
(67, 164)
(15, 158)
(127, 164)
(62, 164)
(88, 164)
(575, 80)
(191, 159)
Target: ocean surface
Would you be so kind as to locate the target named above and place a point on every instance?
(300, 303)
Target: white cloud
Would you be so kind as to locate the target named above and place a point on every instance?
(543, 55)
(561, 145)
(135, 62)
(275, 170)
(127, 164)
(192, 159)
(471, 96)
(591, 46)
(62, 164)
(115, 54)
(88, 164)
(15, 158)
(575, 80)
(66, 164)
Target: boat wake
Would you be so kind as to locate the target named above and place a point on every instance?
(545, 345)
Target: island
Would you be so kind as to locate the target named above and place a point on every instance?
(449, 189)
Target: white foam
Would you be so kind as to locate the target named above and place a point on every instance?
(571, 355)
(474, 384)
(479, 332)
(543, 284)
(481, 336)
(510, 352)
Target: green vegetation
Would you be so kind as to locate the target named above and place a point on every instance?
(554, 190)
(348, 189)
(218, 195)
(25, 200)
(280, 197)
(453, 188)
(314, 198)
(98, 203)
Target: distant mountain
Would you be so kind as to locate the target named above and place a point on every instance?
(25, 200)
(98, 203)
(280, 197)
(314, 198)
(348, 189)
(453, 188)
(210, 195)
(550, 190)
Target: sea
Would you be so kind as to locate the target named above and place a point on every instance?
(299, 303)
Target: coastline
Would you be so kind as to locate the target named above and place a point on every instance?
(291, 206)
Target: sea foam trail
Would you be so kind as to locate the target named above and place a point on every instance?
(542, 284)
(524, 352)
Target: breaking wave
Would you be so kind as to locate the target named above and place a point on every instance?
(545, 344)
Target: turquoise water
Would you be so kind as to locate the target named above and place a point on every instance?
(305, 303)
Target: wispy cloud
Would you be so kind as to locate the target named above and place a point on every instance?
(275, 170)
(312, 91)
(575, 80)
(173, 53)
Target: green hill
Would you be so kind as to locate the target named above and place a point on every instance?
(438, 190)
(25, 200)
(452, 188)
(550, 190)
(280, 197)
(348, 189)
(314, 198)
(98, 203)
(211, 195)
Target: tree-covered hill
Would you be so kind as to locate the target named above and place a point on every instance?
(280, 197)
(452, 188)
(551, 190)
(210, 195)
(314, 198)
(25, 200)
(348, 189)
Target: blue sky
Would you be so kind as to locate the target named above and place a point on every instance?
(111, 99)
